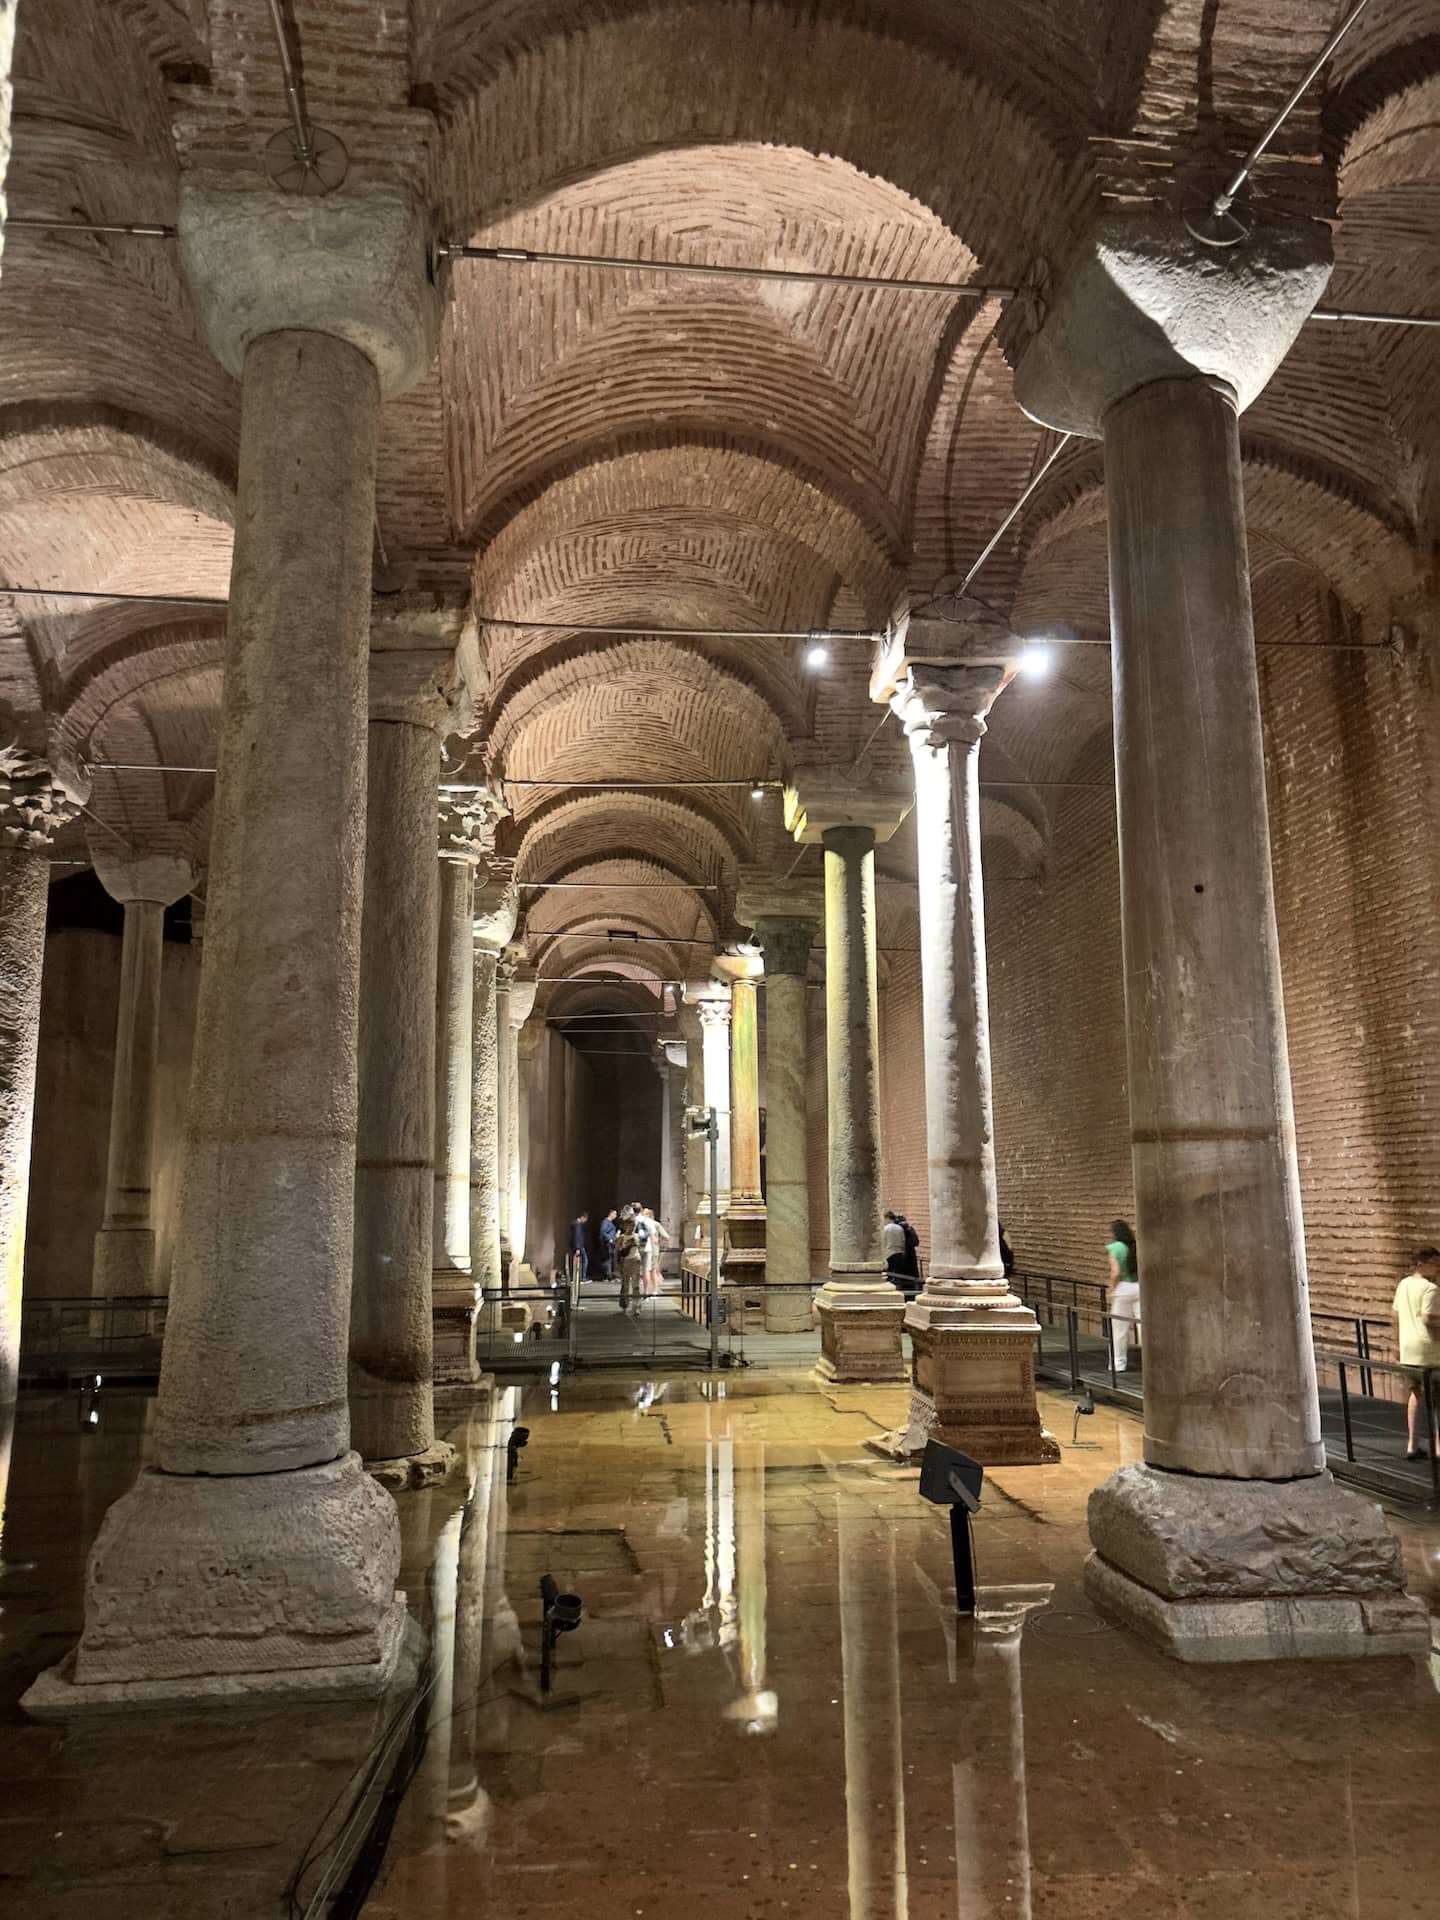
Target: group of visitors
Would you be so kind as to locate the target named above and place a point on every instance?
(631, 1243)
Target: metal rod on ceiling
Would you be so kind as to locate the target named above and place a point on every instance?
(156, 230)
(102, 593)
(294, 96)
(631, 786)
(1225, 198)
(626, 886)
(627, 263)
(686, 633)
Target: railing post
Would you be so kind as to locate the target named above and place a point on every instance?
(1072, 1328)
(1362, 1347)
(1345, 1411)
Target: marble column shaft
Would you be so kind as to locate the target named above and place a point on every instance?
(1229, 1361)
(392, 1409)
(24, 891)
(454, 1068)
(504, 1103)
(485, 1129)
(744, 1095)
(852, 1032)
(672, 1154)
(715, 1032)
(786, 945)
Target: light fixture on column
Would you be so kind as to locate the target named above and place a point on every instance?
(817, 655)
(1035, 661)
(757, 792)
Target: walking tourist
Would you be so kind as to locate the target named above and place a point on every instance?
(1417, 1310)
(1124, 1292)
(579, 1247)
(608, 1231)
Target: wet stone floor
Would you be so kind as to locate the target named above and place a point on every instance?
(765, 1710)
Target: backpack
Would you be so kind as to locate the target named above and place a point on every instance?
(912, 1239)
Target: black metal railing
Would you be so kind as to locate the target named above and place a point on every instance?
(65, 1338)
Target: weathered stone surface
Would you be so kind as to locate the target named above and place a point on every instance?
(1190, 1537)
(860, 1331)
(1276, 1627)
(1146, 301)
(24, 889)
(244, 1574)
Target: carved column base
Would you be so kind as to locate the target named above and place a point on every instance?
(973, 1379)
(742, 1264)
(245, 1586)
(454, 1313)
(1211, 1569)
(860, 1322)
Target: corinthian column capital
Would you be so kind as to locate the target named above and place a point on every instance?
(39, 792)
(468, 819)
(944, 706)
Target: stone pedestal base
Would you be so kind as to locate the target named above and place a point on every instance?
(124, 1263)
(742, 1265)
(425, 1469)
(453, 1320)
(972, 1379)
(1211, 1569)
(206, 1587)
(860, 1323)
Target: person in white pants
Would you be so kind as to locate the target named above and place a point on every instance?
(1124, 1293)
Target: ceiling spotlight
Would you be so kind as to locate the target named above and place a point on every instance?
(757, 792)
(1035, 662)
(817, 656)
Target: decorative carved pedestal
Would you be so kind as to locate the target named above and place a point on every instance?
(972, 1380)
(860, 1324)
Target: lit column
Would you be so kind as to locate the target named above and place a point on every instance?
(35, 803)
(1221, 1545)
(672, 1148)
(494, 922)
(527, 1046)
(711, 1001)
(785, 916)
(973, 1341)
(694, 1097)
(256, 1555)
(424, 675)
(504, 1118)
(145, 885)
(860, 1311)
(744, 1264)
(521, 1002)
(452, 1286)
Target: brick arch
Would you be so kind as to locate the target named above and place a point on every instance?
(682, 832)
(681, 75)
(119, 675)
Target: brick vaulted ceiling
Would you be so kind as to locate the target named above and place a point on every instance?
(653, 451)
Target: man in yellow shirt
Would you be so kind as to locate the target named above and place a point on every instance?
(1417, 1310)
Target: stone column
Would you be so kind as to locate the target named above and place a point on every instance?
(972, 1341)
(256, 1556)
(694, 1097)
(493, 924)
(785, 916)
(519, 1000)
(1231, 1541)
(711, 1002)
(527, 1039)
(423, 676)
(34, 804)
(859, 1310)
(145, 885)
(673, 1070)
(452, 1286)
(744, 1264)
(504, 1115)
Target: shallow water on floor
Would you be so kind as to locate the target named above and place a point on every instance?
(768, 1709)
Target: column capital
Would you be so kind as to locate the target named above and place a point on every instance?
(945, 706)
(1146, 301)
(522, 993)
(160, 878)
(40, 792)
(356, 265)
(738, 967)
(819, 799)
(426, 665)
(497, 906)
(468, 819)
(711, 1001)
(677, 1056)
(786, 941)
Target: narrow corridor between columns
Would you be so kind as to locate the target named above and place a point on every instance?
(766, 1707)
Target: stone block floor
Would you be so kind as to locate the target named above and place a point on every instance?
(767, 1710)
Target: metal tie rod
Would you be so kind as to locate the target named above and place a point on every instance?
(157, 230)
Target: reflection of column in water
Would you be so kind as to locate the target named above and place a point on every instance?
(725, 1535)
(870, 1663)
(992, 1812)
(499, 1629)
(470, 1679)
(434, 1781)
(756, 1707)
(7, 1438)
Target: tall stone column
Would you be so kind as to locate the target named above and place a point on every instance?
(519, 1001)
(424, 676)
(495, 907)
(695, 1149)
(786, 918)
(527, 1041)
(145, 885)
(744, 1263)
(35, 802)
(256, 1555)
(1231, 1541)
(673, 1071)
(504, 1117)
(711, 1000)
(972, 1341)
(452, 1286)
(859, 1310)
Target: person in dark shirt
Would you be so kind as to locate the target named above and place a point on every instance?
(580, 1247)
(1007, 1257)
(608, 1231)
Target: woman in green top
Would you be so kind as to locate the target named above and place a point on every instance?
(1124, 1292)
